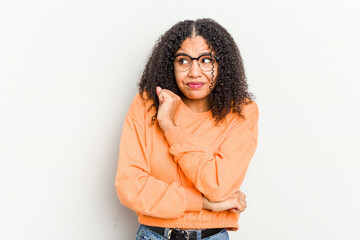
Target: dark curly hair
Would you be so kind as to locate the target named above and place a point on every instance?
(231, 89)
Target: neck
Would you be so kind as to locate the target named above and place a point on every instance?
(197, 105)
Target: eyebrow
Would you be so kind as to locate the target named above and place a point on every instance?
(200, 54)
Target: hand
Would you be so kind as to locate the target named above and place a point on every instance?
(168, 104)
(235, 203)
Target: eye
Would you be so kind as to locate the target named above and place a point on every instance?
(182, 60)
(206, 60)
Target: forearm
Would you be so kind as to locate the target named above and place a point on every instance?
(152, 197)
(144, 193)
(215, 174)
(235, 203)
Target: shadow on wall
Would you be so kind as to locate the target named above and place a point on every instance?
(126, 223)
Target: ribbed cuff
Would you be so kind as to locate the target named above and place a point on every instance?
(176, 134)
(193, 200)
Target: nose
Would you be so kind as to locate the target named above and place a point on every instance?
(194, 70)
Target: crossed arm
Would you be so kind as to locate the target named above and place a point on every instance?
(135, 184)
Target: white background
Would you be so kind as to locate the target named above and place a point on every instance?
(68, 73)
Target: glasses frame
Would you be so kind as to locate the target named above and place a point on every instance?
(197, 59)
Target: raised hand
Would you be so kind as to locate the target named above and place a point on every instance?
(168, 104)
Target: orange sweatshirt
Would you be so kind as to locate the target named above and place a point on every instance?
(162, 176)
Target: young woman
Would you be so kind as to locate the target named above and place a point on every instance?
(188, 136)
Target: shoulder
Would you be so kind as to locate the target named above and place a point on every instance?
(250, 109)
(249, 122)
(139, 106)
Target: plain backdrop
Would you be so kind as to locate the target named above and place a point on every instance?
(69, 71)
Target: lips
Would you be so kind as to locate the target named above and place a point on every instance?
(195, 85)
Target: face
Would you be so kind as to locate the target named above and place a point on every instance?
(194, 83)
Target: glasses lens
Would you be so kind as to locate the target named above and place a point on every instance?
(182, 63)
(206, 63)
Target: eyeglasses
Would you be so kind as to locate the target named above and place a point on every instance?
(183, 62)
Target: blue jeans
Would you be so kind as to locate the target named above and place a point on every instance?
(146, 234)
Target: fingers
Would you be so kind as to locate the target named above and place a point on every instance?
(242, 194)
(165, 95)
(161, 96)
(240, 208)
(235, 203)
(235, 210)
(161, 93)
(158, 90)
(243, 203)
(239, 193)
(240, 204)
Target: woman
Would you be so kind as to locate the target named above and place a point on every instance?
(188, 136)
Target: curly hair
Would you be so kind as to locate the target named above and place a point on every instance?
(231, 89)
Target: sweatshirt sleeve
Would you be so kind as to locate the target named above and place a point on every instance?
(136, 188)
(217, 174)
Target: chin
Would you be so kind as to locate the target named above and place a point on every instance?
(196, 96)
